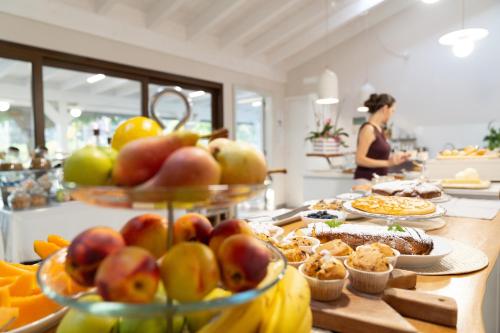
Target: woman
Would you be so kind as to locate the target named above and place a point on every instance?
(373, 155)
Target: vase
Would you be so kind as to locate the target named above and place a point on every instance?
(325, 146)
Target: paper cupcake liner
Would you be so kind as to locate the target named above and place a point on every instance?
(324, 290)
(368, 282)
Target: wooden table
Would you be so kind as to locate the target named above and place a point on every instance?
(467, 289)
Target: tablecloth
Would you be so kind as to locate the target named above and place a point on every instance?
(20, 228)
(472, 208)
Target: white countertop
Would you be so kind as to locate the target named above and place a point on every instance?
(327, 174)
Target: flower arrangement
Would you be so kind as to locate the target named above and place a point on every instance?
(328, 131)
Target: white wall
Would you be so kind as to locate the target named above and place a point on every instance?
(441, 98)
(29, 32)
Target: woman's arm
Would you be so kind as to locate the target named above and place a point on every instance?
(366, 137)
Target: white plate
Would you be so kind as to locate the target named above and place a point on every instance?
(268, 229)
(440, 211)
(484, 184)
(349, 196)
(43, 324)
(440, 249)
(443, 198)
(341, 216)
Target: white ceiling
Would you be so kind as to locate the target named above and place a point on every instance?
(260, 37)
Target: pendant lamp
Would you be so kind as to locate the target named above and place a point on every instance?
(328, 88)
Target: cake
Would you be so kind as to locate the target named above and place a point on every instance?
(408, 189)
(410, 241)
(394, 205)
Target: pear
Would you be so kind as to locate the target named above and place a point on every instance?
(141, 159)
(90, 165)
(240, 162)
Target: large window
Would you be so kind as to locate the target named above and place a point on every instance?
(250, 108)
(82, 108)
(64, 101)
(16, 111)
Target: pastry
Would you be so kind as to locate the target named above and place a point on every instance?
(335, 247)
(369, 259)
(324, 267)
(392, 205)
(466, 176)
(408, 189)
(327, 205)
(383, 248)
(408, 241)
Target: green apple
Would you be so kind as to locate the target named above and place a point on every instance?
(89, 165)
(110, 152)
(196, 320)
(149, 325)
(78, 322)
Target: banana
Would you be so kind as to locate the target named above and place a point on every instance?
(296, 302)
(244, 318)
(272, 306)
(306, 324)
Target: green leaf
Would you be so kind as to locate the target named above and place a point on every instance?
(396, 227)
(333, 223)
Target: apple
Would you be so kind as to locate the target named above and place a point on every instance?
(89, 165)
(88, 250)
(129, 275)
(243, 262)
(192, 227)
(75, 321)
(148, 231)
(225, 229)
(189, 271)
(150, 325)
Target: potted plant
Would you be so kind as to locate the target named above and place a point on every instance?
(328, 139)
(493, 137)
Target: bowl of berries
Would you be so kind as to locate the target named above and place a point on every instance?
(315, 216)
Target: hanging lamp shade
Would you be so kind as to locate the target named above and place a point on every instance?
(366, 90)
(328, 88)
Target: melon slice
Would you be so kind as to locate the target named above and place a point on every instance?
(32, 308)
(8, 269)
(24, 285)
(58, 240)
(44, 249)
(7, 316)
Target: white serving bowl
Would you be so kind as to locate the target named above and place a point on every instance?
(341, 216)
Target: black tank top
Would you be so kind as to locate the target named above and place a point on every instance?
(379, 150)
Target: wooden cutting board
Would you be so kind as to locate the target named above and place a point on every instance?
(355, 313)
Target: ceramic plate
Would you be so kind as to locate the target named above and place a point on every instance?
(349, 216)
(440, 211)
(43, 324)
(441, 249)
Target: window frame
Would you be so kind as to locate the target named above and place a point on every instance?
(39, 57)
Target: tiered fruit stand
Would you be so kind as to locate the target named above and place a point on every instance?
(168, 199)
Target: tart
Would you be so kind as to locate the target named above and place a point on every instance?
(408, 189)
(390, 205)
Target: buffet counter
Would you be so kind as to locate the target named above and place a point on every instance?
(326, 184)
(477, 294)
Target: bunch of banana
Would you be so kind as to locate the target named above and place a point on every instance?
(283, 308)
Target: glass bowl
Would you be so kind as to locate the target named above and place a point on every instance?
(211, 196)
(58, 286)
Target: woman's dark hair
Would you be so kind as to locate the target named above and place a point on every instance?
(377, 101)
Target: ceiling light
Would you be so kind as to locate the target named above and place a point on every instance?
(95, 78)
(257, 104)
(363, 109)
(328, 88)
(75, 112)
(4, 106)
(429, 1)
(196, 93)
(454, 37)
(463, 48)
(177, 88)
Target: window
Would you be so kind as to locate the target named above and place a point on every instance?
(16, 111)
(250, 118)
(64, 101)
(82, 108)
(170, 108)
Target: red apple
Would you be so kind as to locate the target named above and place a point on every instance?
(148, 231)
(88, 250)
(243, 262)
(225, 229)
(192, 227)
(129, 275)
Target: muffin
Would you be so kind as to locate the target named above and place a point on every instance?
(295, 256)
(305, 243)
(369, 269)
(325, 275)
(388, 252)
(335, 247)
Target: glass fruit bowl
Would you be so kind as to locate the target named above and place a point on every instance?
(211, 196)
(58, 286)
